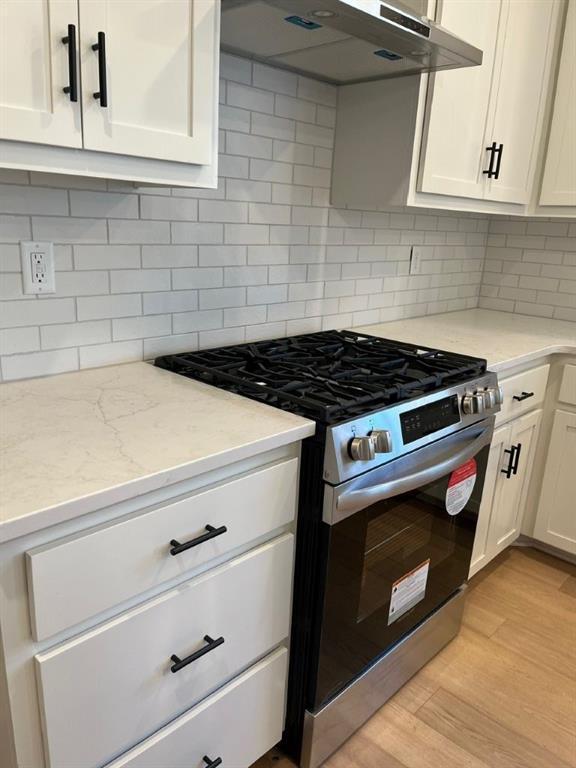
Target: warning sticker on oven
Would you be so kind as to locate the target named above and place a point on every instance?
(460, 487)
(408, 591)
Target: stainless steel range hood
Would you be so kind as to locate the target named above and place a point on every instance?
(342, 41)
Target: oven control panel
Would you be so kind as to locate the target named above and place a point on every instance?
(429, 418)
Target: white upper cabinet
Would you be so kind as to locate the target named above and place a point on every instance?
(458, 106)
(518, 102)
(133, 84)
(156, 74)
(559, 182)
(466, 139)
(499, 104)
(34, 70)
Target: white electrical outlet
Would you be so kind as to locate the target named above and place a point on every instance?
(415, 260)
(37, 267)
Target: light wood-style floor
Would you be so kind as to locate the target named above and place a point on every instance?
(501, 695)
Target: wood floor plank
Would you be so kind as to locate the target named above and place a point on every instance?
(558, 655)
(540, 565)
(483, 736)
(413, 742)
(500, 695)
(569, 586)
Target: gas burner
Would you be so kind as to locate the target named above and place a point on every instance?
(328, 376)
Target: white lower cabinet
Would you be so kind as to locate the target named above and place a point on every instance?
(556, 517)
(108, 689)
(506, 484)
(237, 724)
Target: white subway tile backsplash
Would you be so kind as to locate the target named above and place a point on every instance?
(28, 199)
(69, 230)
(141, 327)
(14, 228)
(150, 271)
(106, 257)
(39, 364)
(103, 204)
(126, 231)
(14, 340)
(168, 208)
(75, 334)
(273, 79)
(101, 307)
(111, 354)
(200, 277)
(35, 312)
(139, 280)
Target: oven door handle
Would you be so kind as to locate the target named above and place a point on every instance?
(350, 501)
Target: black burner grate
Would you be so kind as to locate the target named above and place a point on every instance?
(327, 376)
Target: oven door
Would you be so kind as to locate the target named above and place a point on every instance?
(398, 541)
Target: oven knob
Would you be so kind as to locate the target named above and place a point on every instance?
(489, 398)
(473, 403)
(499, 394)
(382, 440)
(363, 448)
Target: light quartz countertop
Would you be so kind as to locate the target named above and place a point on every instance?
(77, 442)
(503, 339)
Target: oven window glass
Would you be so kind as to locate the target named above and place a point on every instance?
(389, 566)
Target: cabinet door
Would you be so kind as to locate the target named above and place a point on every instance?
(34, 67)
(559, 182)
(481, 554)
(453, 148)
(506, 518)
(161, 77)
(520, 72)
(556, 518)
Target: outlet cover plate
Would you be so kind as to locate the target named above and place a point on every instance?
(37, 267)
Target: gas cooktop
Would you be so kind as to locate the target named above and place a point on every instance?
(328, 376)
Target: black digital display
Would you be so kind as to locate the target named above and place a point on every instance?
(404, 21)
(429, 418)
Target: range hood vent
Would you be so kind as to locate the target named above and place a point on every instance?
(342, 41)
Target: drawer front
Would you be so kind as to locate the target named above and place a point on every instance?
(568, 385)
(237, 724)
(106, 690)
(523, 392)
(71, 581)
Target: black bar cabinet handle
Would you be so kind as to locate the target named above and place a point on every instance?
(211, 534)
(181, 663)
(70, 41)
(516, 458)
(498, 161)
(523, 396)
(212, 763)
(492, 150)
(509, 470)
(100, 46)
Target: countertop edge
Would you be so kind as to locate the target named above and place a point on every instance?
(84, 505)
(553, 349)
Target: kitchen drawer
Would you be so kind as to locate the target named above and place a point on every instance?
(530, 386)
(568, 385)
(237, 724)
(106, 690)
(79, 577)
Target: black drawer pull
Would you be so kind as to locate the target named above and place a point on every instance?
(70, 41)
(523, 396)
(212, 763)
(492, 149)
(181, 663)
(100, 46)
(498, 161)
(211, 534)
(509, 470)
(516, 458)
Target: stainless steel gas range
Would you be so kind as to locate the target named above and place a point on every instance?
(390, 490)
